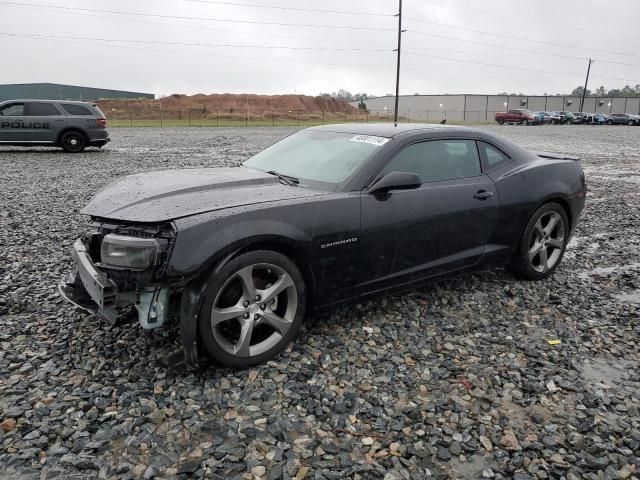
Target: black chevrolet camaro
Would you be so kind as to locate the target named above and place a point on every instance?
(240, 256)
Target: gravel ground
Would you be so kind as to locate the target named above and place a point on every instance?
(455, 380)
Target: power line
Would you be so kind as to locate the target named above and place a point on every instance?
(286, 47)
(508, 67)
(537, 52)
(296, 9)
(217, 55)
(529, 21)
(185, 44)
(512, 37)
(209, 19)
(71, 10)
(209, 29)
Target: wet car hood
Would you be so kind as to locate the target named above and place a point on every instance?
(170, 194)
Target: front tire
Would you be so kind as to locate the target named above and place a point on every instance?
(543, 243)
(610, 122)
(73, 142)
(253, 307)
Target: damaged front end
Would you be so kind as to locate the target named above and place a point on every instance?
(118, 266)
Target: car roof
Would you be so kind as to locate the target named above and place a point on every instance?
(79, 102)
(388, 130)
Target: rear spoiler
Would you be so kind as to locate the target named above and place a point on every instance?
(557, 156)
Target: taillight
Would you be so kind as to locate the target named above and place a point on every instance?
(101, 122)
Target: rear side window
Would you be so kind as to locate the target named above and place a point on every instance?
(73, 109)
(12, 110)
(40, 109)
(438, 160)
(491, 156)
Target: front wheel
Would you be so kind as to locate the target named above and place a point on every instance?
(253, 307)
(543, 243)
(610, 122)
(631, 123)
(73, 142)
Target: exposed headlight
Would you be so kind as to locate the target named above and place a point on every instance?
(131, 253)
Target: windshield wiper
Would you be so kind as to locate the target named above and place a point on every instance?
(288, 179)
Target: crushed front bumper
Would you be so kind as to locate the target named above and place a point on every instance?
(91, 290)
(87, 287)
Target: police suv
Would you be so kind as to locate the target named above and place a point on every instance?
(54, 123)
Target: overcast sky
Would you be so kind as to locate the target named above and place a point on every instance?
(140, 52)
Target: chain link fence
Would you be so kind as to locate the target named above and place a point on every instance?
(204, 117)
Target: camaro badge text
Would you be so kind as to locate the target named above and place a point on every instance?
(340, 242)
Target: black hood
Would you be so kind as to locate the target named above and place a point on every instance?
(170, 194)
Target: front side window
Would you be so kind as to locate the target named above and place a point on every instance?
(74, 109)
(39, 109)
(438, 160)
(12, 110)
(318, 156)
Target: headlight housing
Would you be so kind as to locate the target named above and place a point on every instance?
(131, 253)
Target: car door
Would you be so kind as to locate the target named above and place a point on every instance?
(443, 225)
(44, 120)
(11, 117)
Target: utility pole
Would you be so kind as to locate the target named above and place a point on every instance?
(586, 82)
(399, 15)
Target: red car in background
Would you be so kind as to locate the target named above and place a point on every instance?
(521, 116)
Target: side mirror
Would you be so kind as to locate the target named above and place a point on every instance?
(395, 181)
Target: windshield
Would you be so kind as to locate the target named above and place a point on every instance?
(318, 156)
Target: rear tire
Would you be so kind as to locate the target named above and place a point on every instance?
(73, 142)
(253, 307)
(500, 122)
(543, 243)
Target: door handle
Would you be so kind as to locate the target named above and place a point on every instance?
(482, 195)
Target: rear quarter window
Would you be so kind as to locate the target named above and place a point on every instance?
(39, 109)
(491, 156)
(73, 109)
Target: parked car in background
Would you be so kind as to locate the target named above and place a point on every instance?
(595, 119)
(550, 117)
(565, 117)
(52, 123)
(578, 118)
(520, 115)
(538, 118)
(622, 119)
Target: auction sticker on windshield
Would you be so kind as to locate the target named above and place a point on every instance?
(373, 140)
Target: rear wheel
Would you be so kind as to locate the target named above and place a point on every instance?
(73, 142)
(543, 243)
(500, 122)
(254, 306)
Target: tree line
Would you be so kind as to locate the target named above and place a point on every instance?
(626, 91)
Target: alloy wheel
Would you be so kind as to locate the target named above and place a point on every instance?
(547, 242)
(254, 309)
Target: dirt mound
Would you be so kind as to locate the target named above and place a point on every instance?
(235, 103)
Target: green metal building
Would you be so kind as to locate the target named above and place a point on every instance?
(54, 91)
